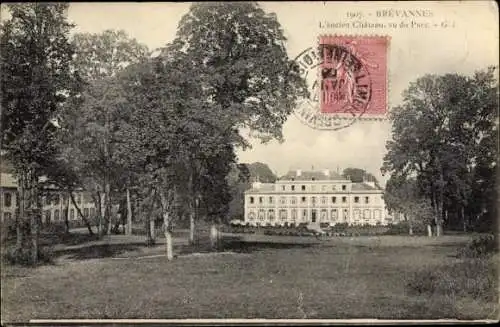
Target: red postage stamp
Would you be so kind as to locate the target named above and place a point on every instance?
(353, 74)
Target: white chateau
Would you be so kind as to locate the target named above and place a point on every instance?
(314, 197)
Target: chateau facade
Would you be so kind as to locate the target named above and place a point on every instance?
(54, 203)
(315, 197)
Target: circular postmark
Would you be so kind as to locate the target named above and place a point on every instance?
(339, 83)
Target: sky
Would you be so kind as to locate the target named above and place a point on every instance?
(461, 37)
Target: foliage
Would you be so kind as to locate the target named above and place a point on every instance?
(23, 257)
(482, 246)
(358, 175)
(36, 80)
(443, 137)
(238, 52)
(475, 278)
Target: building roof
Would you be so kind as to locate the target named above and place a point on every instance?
(318, 175)
(363, 187)
(8, 180)
(263, 187)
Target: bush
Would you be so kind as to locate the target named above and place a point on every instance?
(481, 246)
(476, 278)
(22, 256)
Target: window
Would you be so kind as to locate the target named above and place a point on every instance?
(252, 200)
(344, 199)
(271, 199)
(293, 200)
(323, 188)
(293, 187)
(78, 198)
(313, 188)
(7, 200)
(313, 178)
(303, 199)
(334, 199)
(86, 212)
(251, 215)
(346, 214)
(72, 214)
(356, 199)
(282, 200)
(283, 214)
(261, 214)
(367, 199)
(376, 214)
(324, 216)
(334, 214)
(92, 212)
(356, 214)
(366, 214)
(323, 200)
(334, 187)
(304, 214)
(47, 215)
(344, 187)
(7, 215)
(303, 187)
(313, 200)
(56, 215)
(270, 214)
(56, 199)
(283, 188)
(260, 200)
(294, 214)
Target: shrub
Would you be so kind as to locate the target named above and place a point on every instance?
(22, 256)
(481, 246)
(476, 278)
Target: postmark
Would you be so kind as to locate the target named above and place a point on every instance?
(347, 80)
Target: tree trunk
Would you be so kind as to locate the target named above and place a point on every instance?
(149, 236)
(463, 218)
(20, 217)
(168, 237)
(439, 230)
(152, 229)
(129, 214)
(214, 237)
(84, 219)
(66, 214)
(34, 206)
(108, 212)
(429, 230)
(191, 228)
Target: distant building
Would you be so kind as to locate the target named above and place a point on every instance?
(53, 202)
(315, 197)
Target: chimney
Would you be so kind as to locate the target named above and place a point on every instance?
(326, 172)
(299, 172)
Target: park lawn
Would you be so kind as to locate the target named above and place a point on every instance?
(263, 277)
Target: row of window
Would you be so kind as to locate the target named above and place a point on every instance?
(312, 188)
(58, 214)
(334, 215)
(293, 200)
(48, 200)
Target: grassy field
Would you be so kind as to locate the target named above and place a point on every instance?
(255, 277)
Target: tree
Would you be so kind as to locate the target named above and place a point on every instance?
(96, 116)
(358, 175)
(402, 196)
(442, 135)
(36, 79)
(238, 54)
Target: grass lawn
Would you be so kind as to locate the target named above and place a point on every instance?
(258, 277)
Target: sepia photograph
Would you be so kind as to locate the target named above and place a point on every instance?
(261, 163)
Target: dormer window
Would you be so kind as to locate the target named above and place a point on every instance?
(344, 187)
